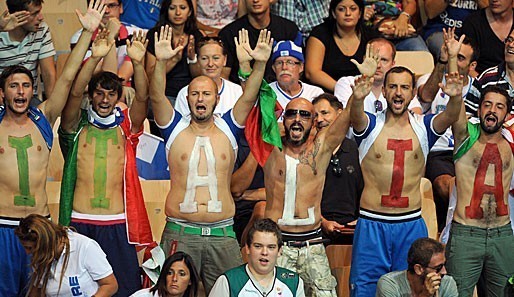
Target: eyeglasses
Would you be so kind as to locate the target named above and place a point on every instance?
(289, 63)
(112, 5)
(291, 114)
(336, 166)
(438, 268)
(378, 106)
(508, 40)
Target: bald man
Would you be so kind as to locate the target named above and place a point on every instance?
(201, 151)
(294, 179)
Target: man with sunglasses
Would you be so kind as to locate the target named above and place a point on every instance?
(294, 179)
(425, 275)
(393, 146)
(343, 183)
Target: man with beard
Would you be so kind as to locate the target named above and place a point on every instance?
(260, 276)
(100, 193)
(393, 146)
(481, 237)
(425, 275)
(294, 179)
(201, 152)
(25, 141)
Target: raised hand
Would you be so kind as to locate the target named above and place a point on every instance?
(243, 48)
(452, 45)
(137, 48)
(91, 20)
(262, 50)
(432, 283)
(454, 83)
(362, 87)
(114, 26)
(10, 21)
(163, 49)
(102, 44)
(191, 51)
(370, 63)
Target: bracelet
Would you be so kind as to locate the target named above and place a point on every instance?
(243, 76)
(406, 13)
(441, 61)
(189, 61)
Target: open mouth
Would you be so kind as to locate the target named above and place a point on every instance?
(510, 51)
(296, 131)
(263, 261)
(397, 103)
(20, 102)
(201, 108)
(491, 120)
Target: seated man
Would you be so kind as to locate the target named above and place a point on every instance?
(343, 182)
(425, 275)
(260, 276)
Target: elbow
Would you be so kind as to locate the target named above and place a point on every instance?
(309, 74)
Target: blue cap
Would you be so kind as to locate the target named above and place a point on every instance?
(287, 48)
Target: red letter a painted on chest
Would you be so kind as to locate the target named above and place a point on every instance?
(491, 156)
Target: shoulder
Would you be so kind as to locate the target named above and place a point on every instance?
(278, 20)
(236, 25)
(145, 293)
(321, 30)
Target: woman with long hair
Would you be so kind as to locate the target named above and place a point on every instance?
(178, 278)
(334, 43)
(64, 262)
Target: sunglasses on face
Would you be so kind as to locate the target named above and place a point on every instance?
(438, 268)
(291, 114)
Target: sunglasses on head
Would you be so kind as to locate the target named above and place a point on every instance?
(291, 113)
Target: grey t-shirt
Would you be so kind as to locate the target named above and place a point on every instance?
(395, 284)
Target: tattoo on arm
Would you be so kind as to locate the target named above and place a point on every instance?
(309, 158)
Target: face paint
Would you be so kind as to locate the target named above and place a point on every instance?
(101, 136)
(394, 198)
(491, 156)
(290, 198)
(189, 205)
(21, 144)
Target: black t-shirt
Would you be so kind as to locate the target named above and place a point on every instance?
(343, 185)
(179, 76)
(281, 29)
(335, 63)
(491, 47)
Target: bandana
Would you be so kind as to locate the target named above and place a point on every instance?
(109, 122)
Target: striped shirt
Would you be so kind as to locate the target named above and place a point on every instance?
(34, 47)
(494, 76)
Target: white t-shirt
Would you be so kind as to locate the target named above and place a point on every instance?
(307, 91)
(87, 264)
(229, 94)
(221, 288)
(343, 91)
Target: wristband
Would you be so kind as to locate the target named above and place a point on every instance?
(189, 61)
(407, 14)
(441, 61)
(243, 76)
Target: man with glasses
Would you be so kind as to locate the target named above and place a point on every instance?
(288, 62)
(294, 179)
(425, 275)
(343, 181)
(117, 60)
(393, 146)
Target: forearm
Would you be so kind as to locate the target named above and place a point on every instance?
(321, 78)
(158, 81)
(409, 6)
(435, 7)
(243, 176)
(139, 107)
(357, 115)
(430, 88)
(253, 83)
(110, 61)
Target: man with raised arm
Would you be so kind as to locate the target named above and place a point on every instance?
(294, 179)
(393, 146)
(25, 142)
(201, 153)
(481, 238)
(100, 192)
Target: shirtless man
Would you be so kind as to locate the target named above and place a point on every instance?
(481, 237)
(294, 179)
(393, 145)
(201, 154)
(100, 180)
(25, 141)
